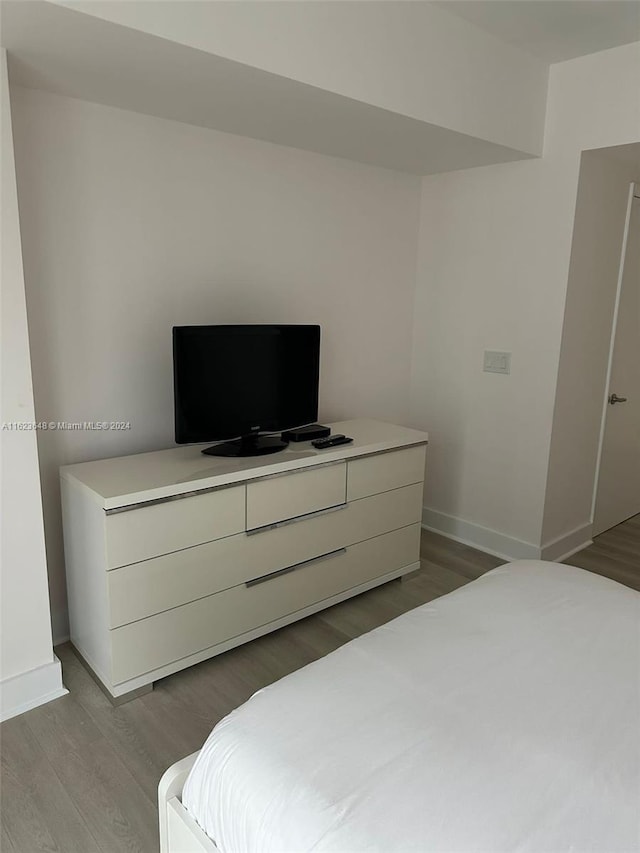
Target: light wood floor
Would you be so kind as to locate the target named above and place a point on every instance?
(79, 776)
(614, 554)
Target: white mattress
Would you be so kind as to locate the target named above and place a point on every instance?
(503, 716)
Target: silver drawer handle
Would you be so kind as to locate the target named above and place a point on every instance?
(170, 498)
(294, 568)
(295, 519)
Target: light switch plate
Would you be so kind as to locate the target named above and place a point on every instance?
(497, 362)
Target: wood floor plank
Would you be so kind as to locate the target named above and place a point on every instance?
(614, 554)
(459, 558)
(311, 639)
(620, 545)
(116, 810)
(37, 812)
(80, 776)
(439, 579)
(603, 564)
(132, 729)
(6, 844)
(366, 611)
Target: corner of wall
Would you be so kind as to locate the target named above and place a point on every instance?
(32, 674)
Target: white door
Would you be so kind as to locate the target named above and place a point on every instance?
(618, 490)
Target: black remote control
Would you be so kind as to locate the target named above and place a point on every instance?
(331, 441)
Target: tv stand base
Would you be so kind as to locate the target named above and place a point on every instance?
(251, 445)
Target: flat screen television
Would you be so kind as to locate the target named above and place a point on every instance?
(238, 382)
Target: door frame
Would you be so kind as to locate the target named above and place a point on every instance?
(634, 193)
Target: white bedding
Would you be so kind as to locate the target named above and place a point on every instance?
(503, 716)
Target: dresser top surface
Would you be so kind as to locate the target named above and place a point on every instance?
(126, 480)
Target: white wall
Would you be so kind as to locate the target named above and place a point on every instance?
(493, 266)
(601, 208)
(29, 673)
(416, 59)
(132, 224)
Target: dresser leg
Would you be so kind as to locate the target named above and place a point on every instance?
(404, 578)
(132, 694)
(115, 700)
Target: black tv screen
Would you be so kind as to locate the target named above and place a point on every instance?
(235, 381)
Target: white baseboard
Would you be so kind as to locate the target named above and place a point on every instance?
(23, 692)
(481, 538)
(567, 544)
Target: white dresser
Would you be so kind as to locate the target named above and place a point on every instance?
(172, 556)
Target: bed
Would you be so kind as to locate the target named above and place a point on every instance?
(503, 716)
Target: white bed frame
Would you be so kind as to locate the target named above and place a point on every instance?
(179, 833)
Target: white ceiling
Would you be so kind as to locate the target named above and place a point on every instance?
(554, 30)
(64, 51)
(59, 50)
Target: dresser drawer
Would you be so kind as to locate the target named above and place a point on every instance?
(385, 471)
(144, 532)
(289, 495)
(146, 588)
(154, 642)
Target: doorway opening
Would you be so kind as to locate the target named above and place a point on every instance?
(591, 435)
